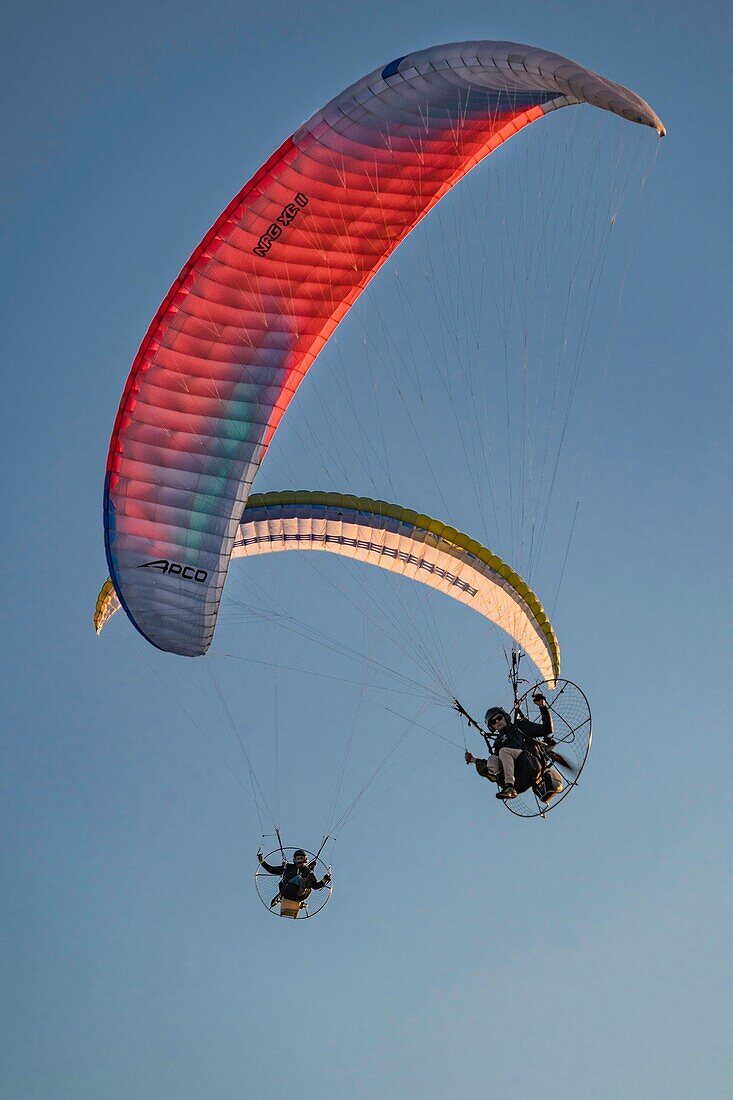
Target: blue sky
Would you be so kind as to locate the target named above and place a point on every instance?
(463, 952)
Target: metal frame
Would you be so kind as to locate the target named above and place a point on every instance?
(285, 855)
(567, 732)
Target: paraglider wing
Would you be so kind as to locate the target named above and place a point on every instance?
(107, 604)
(399, 541)
(268, 285)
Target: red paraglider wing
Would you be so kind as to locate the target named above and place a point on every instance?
(269, 284)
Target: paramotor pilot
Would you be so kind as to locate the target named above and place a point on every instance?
(518, 757)
(296, 879)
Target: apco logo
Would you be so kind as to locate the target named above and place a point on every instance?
(288, 213)
(175, 569)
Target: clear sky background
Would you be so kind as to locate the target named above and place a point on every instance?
(464, 953)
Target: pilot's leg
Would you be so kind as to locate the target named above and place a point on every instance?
(493, 769)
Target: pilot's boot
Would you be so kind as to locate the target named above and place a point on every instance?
(506, 793)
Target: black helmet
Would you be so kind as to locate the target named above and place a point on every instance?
(300, 852)
(494, 712)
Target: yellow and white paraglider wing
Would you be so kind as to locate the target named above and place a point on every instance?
(400, 541)
(107, 604)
